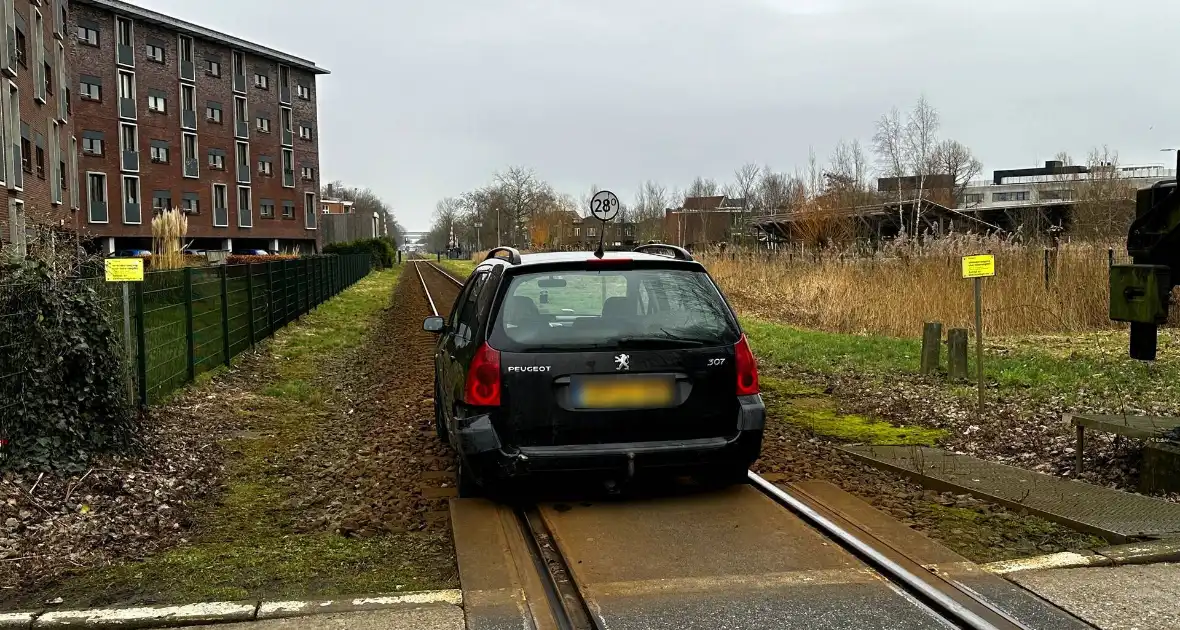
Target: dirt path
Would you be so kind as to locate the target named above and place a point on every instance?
(307, 470)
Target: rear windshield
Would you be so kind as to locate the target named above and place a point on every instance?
(612, 309)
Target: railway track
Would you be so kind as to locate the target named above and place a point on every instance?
(548, 577)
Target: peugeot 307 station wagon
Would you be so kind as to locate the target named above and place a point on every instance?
(620, 364)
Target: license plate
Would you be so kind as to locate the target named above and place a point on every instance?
(632, 392)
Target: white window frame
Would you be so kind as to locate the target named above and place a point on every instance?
(265, 167)
(180, 57)
(102, 145)
(304, 91)
(106, 197)
(154, 208)
(82, 92)
(123, 198)
(214, 119)
(262, 124)
(196, 151)
(287, 157)
(87, 31)
(184, 205)
(262, 214)
(249, 207)
(119, 81)
(238, 159)
(302, 135)
(39, 92)
(149, 48)
(153, 151)
(55, 172)
(213, 204)
(261, 81)
(219, 167)
(74, 192)
(191, 89)
(123, 145)
(130, 44)
(17, 226)
(209, 66)
(12, 125)
(309, 203)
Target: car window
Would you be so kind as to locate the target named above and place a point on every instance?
(468, 311)
(612, 309)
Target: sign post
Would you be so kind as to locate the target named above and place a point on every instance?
(125, 271)
(604, 206)
(978, 268)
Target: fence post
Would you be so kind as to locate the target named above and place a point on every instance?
(190, 344)
(931, 347)
(956, 341)
(1046, 268)
(140, 345)
(250, 299)
(270, 298)
(1110, 257)
(225, 312)
(307, 285)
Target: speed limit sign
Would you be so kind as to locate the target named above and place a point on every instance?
(604, 205)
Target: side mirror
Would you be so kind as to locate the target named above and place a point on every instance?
(434, 324)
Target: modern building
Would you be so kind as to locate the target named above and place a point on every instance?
(335, 206)
(171, 114)
(36, 140)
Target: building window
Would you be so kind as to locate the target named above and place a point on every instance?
(305, 132)
(1010, 196)
(261, 81)
(16, 221)
(1056, 195)
(124, 31)
(971, 199)
(155, 53)
(126, 85)
(265, 168)
(160, 154)
(161, 201)
(303, 91)
(188, 99)
(131, 210)
(156, 104)
(92, 146)
(217, 161)
(267, 209)
(212, 68)
(86, 35)
(288, 209)
(213, 114)
(245, 215)
(190, 204)
(26, 155)
(48, 78)
(96, 197)
(186, 49)
(91, 91)
(21, 49)
(40, 152)
(308, 174)
(220, 206)
(263, 124)
(189, 149)
(38, 55)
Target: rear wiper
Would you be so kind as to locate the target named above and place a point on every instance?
(659, 342)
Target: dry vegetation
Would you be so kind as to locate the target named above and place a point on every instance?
(899, 287)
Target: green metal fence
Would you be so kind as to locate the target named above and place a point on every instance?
(194, 319)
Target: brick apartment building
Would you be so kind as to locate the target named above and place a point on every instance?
(113, 112)
(35, 137)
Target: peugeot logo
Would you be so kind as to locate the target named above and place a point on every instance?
(623, 362)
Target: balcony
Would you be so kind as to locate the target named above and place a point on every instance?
(188, 119)
(309, 219)
(240, 83)
(131, 160)
(127, 108)
(241, 129)
(288, 139)
(131, 213)
(285, 95)
(188, 71)
(191, 168)
(125, 55)
(220, 217)
(288, 178)
(243, 173)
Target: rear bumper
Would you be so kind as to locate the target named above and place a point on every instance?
(489, 458)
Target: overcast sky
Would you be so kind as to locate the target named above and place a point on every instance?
(429, 98)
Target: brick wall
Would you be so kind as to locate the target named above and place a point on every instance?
(36, 117)
(164, 78)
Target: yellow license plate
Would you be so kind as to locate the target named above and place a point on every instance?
(624, 393)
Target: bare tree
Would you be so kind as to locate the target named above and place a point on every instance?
(773, 191)
(521, 189)
(953, 159)
(1105, 199)
(702, 187)
(745, 185)
(890, 144)
(921, 139)
(650, 203)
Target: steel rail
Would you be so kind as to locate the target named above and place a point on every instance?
(445, 274)
(433, 310)
(951, 609)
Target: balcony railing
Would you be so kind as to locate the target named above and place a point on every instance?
(131, 160)
(127, 107)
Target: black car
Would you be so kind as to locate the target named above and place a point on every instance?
(570, 362)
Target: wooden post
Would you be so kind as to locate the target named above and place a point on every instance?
(931, 347)
(979, 339)
(956, 341)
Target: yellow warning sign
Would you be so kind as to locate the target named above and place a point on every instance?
(124, 269)
(979, 266)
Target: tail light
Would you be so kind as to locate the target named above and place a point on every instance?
(483, 378)
(747, 368)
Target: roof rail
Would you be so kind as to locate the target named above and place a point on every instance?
(679, 253)
(513, 255)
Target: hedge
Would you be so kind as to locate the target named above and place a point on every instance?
(381, 250)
